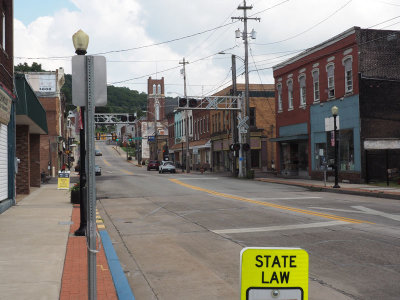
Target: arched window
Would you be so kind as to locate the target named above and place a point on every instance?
(159, 89)
(290, 94)
(348, 73)
(315, 76)
(279, 89)
(330, 71)
(302, 87)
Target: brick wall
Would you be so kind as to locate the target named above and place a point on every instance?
(34, 141)
(22, 152)
(44, 153)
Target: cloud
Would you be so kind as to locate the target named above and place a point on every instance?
(125, 24)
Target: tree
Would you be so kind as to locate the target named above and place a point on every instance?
(26, 68)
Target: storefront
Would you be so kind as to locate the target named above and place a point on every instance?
(5, 110)
(322, 138)
(293, 150)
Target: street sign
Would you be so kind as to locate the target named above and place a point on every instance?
(151, 138)
(273, 274)
(79, 80)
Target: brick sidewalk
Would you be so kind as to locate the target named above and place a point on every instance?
(74, 285)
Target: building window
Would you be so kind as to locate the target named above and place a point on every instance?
(348, 74)
(290, 94)
(302, 85)
(279, 88)
(207, 122)
(252, 120)
(315, 75)
(331, 80)
(346, 149)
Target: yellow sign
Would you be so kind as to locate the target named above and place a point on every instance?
(63, 180)
(274, 274)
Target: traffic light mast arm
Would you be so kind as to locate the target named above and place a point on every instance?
(210, 103)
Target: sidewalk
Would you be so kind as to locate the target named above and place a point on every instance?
(41, 258)
(345, 188)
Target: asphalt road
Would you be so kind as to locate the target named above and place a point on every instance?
(179, 236)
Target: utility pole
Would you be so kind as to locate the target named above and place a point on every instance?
(246, 71)
(233, 116)
(186, 117)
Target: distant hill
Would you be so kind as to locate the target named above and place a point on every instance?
(119, 99)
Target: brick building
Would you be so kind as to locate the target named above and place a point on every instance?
(47, 87)
(7, 107)
(356, 71)
(30, 126)
(262, 128)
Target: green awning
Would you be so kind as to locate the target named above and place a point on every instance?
(29, 110)
(290, 138)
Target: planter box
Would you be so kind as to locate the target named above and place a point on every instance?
(75, 197)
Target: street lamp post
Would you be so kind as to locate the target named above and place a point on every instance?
(81, 42)
(335, 112)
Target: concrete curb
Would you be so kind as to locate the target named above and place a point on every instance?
(121, 284)
(377, 194)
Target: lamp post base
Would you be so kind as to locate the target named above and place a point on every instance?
(336, 186)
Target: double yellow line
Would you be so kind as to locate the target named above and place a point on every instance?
(298, 210)
(123, 171)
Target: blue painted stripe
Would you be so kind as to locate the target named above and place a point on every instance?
(121, 284)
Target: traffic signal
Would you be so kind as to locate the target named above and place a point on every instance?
(97, 135)
(192, 102)
(182, 102)
(114, 137)
(246, 147)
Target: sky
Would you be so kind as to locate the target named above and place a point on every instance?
(150, 38)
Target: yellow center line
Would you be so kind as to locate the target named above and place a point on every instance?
(299, 210)
(106, 162)
(126, 172)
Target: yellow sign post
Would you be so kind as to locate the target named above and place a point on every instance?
(63, 181)
(273, 274)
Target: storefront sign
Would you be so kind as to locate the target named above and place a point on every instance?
(5, 107)
(274, 273)
(63, 181)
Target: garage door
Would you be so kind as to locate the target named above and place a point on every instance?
(3, 163)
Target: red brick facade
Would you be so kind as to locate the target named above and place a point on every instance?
(34, 153)
(22, 153)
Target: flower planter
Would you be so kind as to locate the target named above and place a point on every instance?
(75, 197)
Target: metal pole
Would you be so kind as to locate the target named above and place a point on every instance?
(81, 231)
(155, 128)
(91, 188)
(246, 93)
(187, 119)
(233, 114)
(336, 153)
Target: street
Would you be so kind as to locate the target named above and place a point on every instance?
(179, 236)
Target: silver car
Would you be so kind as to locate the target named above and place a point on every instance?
(166, 166)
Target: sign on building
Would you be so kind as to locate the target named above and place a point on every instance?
(273, 274)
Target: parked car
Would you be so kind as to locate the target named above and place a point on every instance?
(153, 165)
(97, 170)
(167, 166)
(98, 153)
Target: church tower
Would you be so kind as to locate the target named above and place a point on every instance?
(155, 99)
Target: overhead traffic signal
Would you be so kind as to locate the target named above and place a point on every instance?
(97, 135)
(182, 102)
(246, 147)
(192, 102)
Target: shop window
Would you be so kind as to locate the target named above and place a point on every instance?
(346, 149)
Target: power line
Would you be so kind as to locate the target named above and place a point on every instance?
(310, 28)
